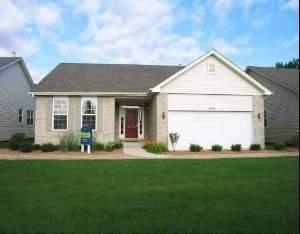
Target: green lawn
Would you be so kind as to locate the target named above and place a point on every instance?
(150, 196)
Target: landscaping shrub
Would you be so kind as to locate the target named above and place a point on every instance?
(118, 144)
(109, 146)
(255, 147)
(174, 137)
(156, 148)
(195, 148)
(216, 148)
(26, 147)
(98, 146)
(279, 146)
(4, 144)
(236, 147)
(69, 142)
(48, 147)
(36, 147)
(16, 141)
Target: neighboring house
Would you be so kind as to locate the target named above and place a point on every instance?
(16, 102)
(210, 101)
(282, 108)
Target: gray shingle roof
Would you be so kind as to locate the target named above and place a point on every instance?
(79, 77)
(6, 60)
(286, 76)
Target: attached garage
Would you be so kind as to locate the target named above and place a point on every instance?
(211, 119)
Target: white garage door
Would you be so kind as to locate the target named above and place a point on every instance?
(209, 128)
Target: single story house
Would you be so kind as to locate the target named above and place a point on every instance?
(16, 102)
(282, 108)
(210, 101)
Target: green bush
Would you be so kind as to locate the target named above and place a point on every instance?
(236, 147)
(279, 146)
(26, 147)
(110, 146)
(195, 148)
(69, 142)
(255, 147)
(216, 148)
(98, 146)
(118, 144)
(36, 147)
(16, 141)
(156, 148)
(48, 147)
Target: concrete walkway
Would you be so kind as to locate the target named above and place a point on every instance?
(136, 149)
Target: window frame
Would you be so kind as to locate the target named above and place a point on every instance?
(22, 117)
(266, 120)
(208, 70)
(96, 105)
(30, 116)
(53, 100)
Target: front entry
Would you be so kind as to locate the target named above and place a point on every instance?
(131, 126)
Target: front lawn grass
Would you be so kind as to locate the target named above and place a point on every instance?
(150, 196)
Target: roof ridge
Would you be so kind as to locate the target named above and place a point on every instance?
(133, 64)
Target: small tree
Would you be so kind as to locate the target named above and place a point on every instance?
(174, 137)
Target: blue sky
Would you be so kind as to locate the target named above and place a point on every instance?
(249, 32)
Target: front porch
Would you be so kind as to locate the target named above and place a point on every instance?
(132, 123)
(142, 118)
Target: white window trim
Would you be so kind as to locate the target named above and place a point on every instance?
(210, 72)
(32, 117)
(89, 98)
(60, 98)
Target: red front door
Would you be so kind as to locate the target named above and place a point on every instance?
(131, 117)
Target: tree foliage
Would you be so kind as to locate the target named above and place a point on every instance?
(294, 63)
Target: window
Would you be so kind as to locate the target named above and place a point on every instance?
(88, 112)
(265, 119)
(211, 68)
(20, 116)
(141, 122)
(60, 113)
(29, 117)
(122, 125)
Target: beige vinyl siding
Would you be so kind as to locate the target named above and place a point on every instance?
(223, 81)
(282, 110)
(14, 95)
(196, 102)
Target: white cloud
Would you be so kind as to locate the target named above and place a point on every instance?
(36, 73)
(291, 42)
(132, 32)
(46, 15)
(291, 5)
(221, 8)
(225, 47)
(12, 18)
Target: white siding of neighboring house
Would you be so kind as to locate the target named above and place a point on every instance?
(197, 80)
(14, 95)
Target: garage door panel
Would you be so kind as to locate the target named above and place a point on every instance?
(209, 128)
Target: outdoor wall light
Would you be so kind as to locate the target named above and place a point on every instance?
(163, 115)
(259, 115)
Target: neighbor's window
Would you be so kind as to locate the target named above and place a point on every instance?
(89, 112)
(141, 122)
(211, 68)
(20, 116)
(265, 119)
(60, 114)
(29, 117)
